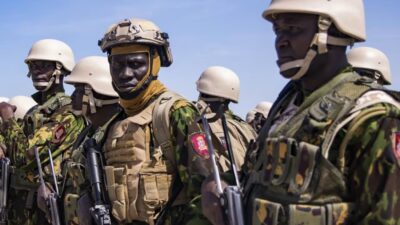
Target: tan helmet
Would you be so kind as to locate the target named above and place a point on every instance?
(4, 99)
(346, 15)
(250, 116)
(23, 104)
(94, 73)
(52, 50)
(371, 59)
(137, 31)
(220, 82)
(263, 108)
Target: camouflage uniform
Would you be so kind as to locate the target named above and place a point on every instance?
(48, 125)
(327, 157)
(241, 134)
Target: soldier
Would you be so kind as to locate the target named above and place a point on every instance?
(262, 109)
(48, 125)
(250, 117)
(151, 147)
(95, 99)
(329, 151)
(217, 87)
(372, 63)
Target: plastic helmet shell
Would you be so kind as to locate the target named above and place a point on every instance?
(263, 108)
(347, 15)
(23, 104)
(250, 116)
(371, 59)
(52, 50)
(138, 31)
(4, 99)
(220, 82)
(95, 72)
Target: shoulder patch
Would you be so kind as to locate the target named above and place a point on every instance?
(396, 145)
(199, 144)
(58, 134)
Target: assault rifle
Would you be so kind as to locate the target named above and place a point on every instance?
(230, 197)
(4, 180)
(53, 196)
(100, 211)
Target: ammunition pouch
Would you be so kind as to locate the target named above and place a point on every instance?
(272, 213)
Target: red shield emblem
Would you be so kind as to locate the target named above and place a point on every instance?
(199, 145)
(396, 145)
(58, 134)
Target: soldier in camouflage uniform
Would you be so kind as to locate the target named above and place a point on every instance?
(372, 63)
(330, 150)
(154, 150)
(217, 87)
(50, 124)
(95, 99)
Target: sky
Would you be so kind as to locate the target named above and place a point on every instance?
(202, 33)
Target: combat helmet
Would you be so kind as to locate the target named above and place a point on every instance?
(346, 15)
(373, 60)
(23, 104)
(219, 82)
(263, 108)
(94, 73)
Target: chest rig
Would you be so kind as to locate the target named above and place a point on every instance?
(298, 177)
(240, 136)
(140, 166)
(40, 114)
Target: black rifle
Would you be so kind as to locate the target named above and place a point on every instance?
(53, 196)
(230, 197)
(4, 180)
(100, 211)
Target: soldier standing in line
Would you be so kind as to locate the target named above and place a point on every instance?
(217, 87)
(95, 100)
(261, 113)
(372, 63)
(154, 150)
(50, 124)
(329, 152)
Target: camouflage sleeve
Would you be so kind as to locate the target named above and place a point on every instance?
(58, 134)
(375, 170)
(15, 141)
(183, 124)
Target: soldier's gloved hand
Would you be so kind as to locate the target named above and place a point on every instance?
(84, 204)
(7, 111)
(210, 202)
(3, 150)
(42, 196)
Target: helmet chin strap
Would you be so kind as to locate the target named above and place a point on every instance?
(93, 102)
(319, 45)
(55, 76)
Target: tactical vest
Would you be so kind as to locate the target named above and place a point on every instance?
(240, 136)
(294, 179)
(140, 166)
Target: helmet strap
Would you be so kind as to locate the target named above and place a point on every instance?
(319, 45)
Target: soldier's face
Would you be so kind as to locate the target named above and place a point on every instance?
(294, 33)
(128, 70)
(77, 97)
(41, 71)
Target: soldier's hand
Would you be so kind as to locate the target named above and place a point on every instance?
(210, 202)
(3, 151)
(42, 197)
(7, 111)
